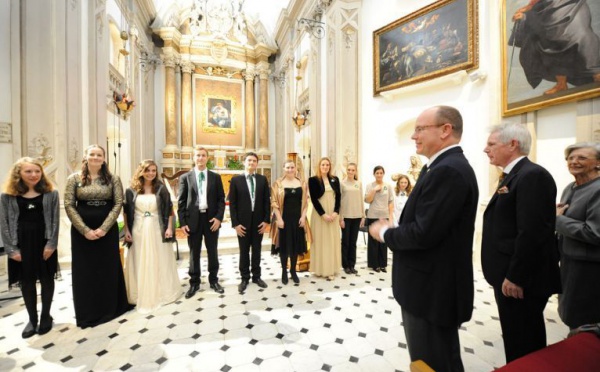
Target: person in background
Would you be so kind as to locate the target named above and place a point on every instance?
(29, 226)
(401, 193)
(380, 197)
(519, 256)
(150, 271)
(250, 209)
(578, 226)
(201, 207)
(289, 204)
(325, 196)
(93, 201)
(352, 216)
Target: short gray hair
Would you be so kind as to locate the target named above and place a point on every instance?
(513, 131)
(583, 145)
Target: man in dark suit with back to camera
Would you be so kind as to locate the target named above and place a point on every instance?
(250, 209)
(200, 207)
(519, 256)
(432, 273)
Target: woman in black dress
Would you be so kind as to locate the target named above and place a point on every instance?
(289, 203)
(93, 200)
(29, 223)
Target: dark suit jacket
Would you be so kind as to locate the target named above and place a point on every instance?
(432, 274)
(316, 187)
(518, 232)
(240, 204)
(187, 203)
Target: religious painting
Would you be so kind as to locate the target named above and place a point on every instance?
(550, 53)
(433, 41)
(218, 111)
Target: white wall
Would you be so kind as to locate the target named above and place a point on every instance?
(387, 125)
(5, 82)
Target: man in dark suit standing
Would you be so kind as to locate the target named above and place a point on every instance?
(250, 209)
(201, 206)
(518, 251)
(432, 273)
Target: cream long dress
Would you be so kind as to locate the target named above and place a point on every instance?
(150, 271)
(325, 250)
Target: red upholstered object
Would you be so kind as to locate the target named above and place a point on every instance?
(579, 353)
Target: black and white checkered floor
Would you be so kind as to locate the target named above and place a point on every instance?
(351, 323)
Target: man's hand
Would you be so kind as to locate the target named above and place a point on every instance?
(186, 230)
(376, 227)
(240, 230)
(215, 224)
(510, 289)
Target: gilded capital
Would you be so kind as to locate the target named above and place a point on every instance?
(169, 59)
(264, 74)
(187, 67)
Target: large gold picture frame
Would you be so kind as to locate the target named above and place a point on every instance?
(551, 40)
(436, 40)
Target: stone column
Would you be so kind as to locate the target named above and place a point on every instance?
(263, 112)
(187, 142)
(250, 132)
(170, 160)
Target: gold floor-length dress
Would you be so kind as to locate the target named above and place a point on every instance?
(325, 251)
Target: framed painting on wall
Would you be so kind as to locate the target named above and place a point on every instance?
(218, 111)
(550, 53)
(436, 40)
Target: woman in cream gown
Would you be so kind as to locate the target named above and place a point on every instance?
(150, 270)
(325, 195)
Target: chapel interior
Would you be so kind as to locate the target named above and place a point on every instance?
(151, 79)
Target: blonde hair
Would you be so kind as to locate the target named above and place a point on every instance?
(355, 168)
(318, 173)
(137, 181)
(408, 188)
(14, 184)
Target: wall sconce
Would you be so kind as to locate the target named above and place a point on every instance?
(301, 119)
(314, 27)
(123, 103)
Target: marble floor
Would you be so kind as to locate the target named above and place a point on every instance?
(351, 323)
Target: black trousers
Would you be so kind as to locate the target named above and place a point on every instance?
(376, 251)
(349, 236)
(252, 242)
(522, 323)
(437, 346)
(211, 239)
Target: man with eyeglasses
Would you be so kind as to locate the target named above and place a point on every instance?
(432, 273)
(519, 256)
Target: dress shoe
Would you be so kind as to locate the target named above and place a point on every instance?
(259, 282)
(377, 269)
(45, 325)
(217, 288)
(383, 269)
(347, 270)
(242, 286)
(295, 277)
(353, 270)
(28, 331)
(193, 289)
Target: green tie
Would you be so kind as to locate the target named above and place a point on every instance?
(201, 178)
(251, 177)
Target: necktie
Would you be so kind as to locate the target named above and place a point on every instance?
(501, 179)
(251, 178)
(201, 179)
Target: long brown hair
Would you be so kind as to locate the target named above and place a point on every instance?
(104, 173)
(14, 184)
(137, 181)
(408, 188)
(318, 172)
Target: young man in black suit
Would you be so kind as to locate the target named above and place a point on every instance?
(250, 209)
(432, 272)
(201, 207)
(519, 256)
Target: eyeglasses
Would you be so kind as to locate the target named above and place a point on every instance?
(576, 158)
(423, 127)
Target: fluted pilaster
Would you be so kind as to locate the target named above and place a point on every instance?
(250, 131)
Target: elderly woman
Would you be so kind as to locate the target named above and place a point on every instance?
(578, 223)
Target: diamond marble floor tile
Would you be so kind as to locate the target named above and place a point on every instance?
(351, 323)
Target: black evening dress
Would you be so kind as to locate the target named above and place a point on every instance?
(99, 293)
(292, 239)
